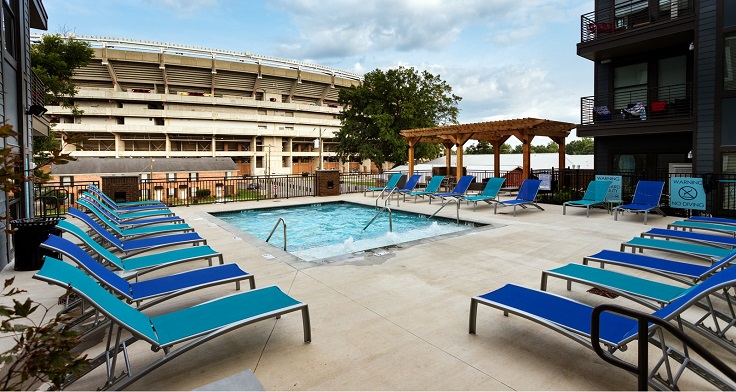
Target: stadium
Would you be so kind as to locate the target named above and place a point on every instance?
(161, 104)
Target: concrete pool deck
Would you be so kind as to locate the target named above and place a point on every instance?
(397, 321)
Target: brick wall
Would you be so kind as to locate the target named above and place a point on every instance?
(328, 183)
(117, 186)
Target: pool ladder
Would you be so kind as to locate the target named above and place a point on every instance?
(390, 218)
(281, 220)
(449, 200)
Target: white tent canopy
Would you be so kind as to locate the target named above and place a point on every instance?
(509, 162)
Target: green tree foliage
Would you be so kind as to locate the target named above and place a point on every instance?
(583, 146)
(483, 147)
(54, 59)
(386, 103)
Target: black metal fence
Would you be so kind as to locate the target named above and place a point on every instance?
(566, 184)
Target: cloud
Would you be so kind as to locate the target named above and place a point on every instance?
(183, 8)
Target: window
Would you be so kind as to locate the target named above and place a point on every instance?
(672, 78)
(193, 176)
(67, 180)
(728, 122)
(729, 63)
(729, 13)
(145, 177)
(9, 33)
(629, 85)
(170, 176)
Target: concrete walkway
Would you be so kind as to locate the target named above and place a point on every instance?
(398, 321)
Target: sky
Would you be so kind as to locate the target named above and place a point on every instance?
(507, 59)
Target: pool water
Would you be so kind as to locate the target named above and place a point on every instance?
(319, 231)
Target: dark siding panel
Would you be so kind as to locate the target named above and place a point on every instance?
(706, 86)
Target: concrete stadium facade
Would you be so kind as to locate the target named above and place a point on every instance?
(157, 101)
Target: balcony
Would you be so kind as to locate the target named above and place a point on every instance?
(643, 106)
(635, 26)
(40, 123)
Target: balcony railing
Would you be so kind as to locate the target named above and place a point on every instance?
(630, 15)
(38, 91)
(659, 103)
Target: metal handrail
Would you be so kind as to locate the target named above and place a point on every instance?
(390, 218)
(281, 220)
(448, 201)
(642, 368)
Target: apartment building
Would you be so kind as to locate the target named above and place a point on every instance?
(21, 102)
(157, 101)
(664, 90)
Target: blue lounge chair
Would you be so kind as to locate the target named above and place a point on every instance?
(129, 221)
(390, 184)
(134, 246)
(696, 225)
(489, 193)
(411, 183)
(701, 251)
(712, 219)
(138, 265)
(431, 188)
(573, 319)
(173, 333)
(646, 200)
(160, 288)
(134, 231)
(125, 207)
(527, 196)
(698, 238)
(687, 273)
(459, 190)
(595, 195)
(653, 295)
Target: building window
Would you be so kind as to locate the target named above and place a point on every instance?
(629, 85)
(729, 13)
(170, 176)
(193, 176)
(9, 31)
(729, 63)
(66, 180)
(728, 122)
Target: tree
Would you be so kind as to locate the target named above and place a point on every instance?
(386, 103)
(483, 147)
(54, 60)
(583, 146)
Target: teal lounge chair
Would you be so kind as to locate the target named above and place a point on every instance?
(172, 334)
(701, 251)
(128, 222)
(712, 219)
(646, 199)
(576, 320)
(127, 233)
(124, 207)
(390, 184)
(139, 265)
(489, 193)
(696, 225)
(459, 190)
(723, 241)
(130, 247)
(431, 188)
(527, 196)
(595, 195)
(125, 215)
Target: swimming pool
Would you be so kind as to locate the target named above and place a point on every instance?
(318, 231)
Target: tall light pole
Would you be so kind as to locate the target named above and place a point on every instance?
(320, 145)
(150, 181)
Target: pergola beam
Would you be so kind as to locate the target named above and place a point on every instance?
(496, 133)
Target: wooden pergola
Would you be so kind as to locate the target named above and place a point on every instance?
(494, 132)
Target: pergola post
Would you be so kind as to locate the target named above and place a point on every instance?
(561, 160)
(448, 156)
(413, 141)
(496, 144)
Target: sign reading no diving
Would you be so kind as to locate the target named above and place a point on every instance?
(687, 193)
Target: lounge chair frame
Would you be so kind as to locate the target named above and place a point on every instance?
(57, 272)
(595, 195)
(644, 200)
(527, 196)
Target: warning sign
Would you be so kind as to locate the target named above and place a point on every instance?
(687, 193)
